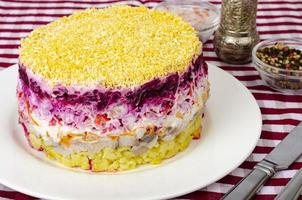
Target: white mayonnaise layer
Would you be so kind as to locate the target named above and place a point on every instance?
(168, 125)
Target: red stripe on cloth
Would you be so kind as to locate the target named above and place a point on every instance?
(209, 41)
(15, 195)
(41, 8)
(280, 9)
(237, 68)
(233, 180)
(208, 49)
(59, 7)
(280, 31)
(25, 22)
(75, 2)
(280, 23)
(278, 16)
(265, 197)
(71, 1)
(296, 165)
(248, 78)
(293, 122)
(261, 88)
(269, 2)
(210, 58)
(33, 15)
(8, 46)
(10, 38)
(5, 64)
(270, 135)
(207, 195)
(277, 182)
(247, 165)
(280, 2)
(150, 1)
(9, 55)
(278, 97)
(265, 150)
(202, 195)
(278, 111)
(15, 30)
(250, 165)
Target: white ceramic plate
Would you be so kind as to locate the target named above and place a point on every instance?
(232, 128)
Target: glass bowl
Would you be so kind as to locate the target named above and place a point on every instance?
(203, 16)
(283, 80)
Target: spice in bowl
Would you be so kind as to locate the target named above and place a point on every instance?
(279, 62)
(281, 56)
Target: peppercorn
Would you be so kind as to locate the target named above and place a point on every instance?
(281, 54)
(287, 62)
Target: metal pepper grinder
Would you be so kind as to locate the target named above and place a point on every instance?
(237, 34)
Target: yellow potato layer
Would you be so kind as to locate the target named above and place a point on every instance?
(108, 159)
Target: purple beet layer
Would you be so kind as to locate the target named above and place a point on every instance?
(102, 98)
(120, 108)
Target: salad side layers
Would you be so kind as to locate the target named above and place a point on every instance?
(111, 89)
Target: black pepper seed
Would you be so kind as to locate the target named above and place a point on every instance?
(281, 54)
(284, 58)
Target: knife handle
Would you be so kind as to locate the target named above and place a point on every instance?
(248, 186)
(293, 189)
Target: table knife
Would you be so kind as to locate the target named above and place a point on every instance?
(293, 189)
(280, 158)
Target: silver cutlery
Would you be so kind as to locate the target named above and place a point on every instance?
(293, 188)
(280, 158)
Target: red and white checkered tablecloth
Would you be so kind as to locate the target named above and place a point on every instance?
(280, 112)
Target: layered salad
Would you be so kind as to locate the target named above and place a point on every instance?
(111, 89)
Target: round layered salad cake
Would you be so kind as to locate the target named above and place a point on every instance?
(111, 89)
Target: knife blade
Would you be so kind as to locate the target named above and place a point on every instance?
(288, 150)
(280, 158)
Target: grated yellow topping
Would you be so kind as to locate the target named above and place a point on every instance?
(119, 46)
